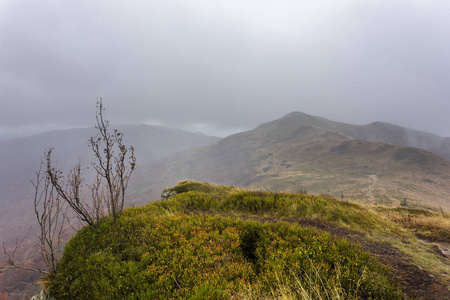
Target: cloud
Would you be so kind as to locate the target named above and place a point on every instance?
(27, 130)
(227, 64)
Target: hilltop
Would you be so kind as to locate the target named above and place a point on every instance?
(302, 152)
(21, 157)
(219, 242)
(378, 132)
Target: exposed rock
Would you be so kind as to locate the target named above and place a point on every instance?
(167, 194)
(42, 296)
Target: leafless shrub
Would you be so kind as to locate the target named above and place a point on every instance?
(51, 215)
(55, 193)
(112, 175)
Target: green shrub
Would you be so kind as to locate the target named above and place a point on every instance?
(194, 197)
(145, 256)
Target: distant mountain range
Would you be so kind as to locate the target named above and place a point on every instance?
(374, 132)
(372, 163)
(19, 158)
(298, 151)
(378, 163)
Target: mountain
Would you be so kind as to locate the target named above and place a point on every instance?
(373, 164)
(300, 151)
(19, 158)
(374, 132)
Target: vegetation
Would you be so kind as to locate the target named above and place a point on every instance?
(397, 227)
(56, 193)
(425, 223)
(203, 244)
(113, 171)
(194, 196)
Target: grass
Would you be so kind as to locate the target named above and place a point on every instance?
(238, 202)
(422, 229)
(425, 223)
(317, 287)
(398, 227)
(178, 249)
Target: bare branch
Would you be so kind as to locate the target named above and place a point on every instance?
(51, 215)
(113, 173)
(13, 262)
(69, 189)
(55, 193)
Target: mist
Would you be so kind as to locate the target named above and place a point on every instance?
(225, 66)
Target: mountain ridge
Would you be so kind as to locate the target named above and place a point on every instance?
(21, 157)
(295, 153)
(299, 151)
(376, 132)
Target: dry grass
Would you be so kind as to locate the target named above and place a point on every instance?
(427, 224)
(423, 229)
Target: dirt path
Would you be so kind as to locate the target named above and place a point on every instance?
(370, 198)
(416, 282)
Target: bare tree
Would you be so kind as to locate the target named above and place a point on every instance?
(113, 172)
(13, 262)
(55, 193)
(52, 218)
(70, 190)
(112, 175)
(51, 215)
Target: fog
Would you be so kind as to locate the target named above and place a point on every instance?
(221, 67)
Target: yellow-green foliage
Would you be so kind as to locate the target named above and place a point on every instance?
(213, 198)
(160, 252)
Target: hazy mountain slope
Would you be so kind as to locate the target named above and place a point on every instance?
(19, 158)
(304, 152)
(374, 132)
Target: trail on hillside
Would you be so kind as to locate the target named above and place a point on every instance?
(370, 198)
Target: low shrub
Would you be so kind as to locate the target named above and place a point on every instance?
(146, 256)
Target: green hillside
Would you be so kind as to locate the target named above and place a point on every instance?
(219, 242)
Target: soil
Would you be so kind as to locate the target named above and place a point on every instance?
(416, 282)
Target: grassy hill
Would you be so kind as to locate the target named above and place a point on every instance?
(304, 152)
(219, 242)
(21, 157)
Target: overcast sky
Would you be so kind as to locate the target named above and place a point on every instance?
(225, 65)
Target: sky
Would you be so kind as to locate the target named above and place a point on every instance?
(223, 66)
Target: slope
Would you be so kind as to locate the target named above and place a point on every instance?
(19, 158)
(379, 132)
(219, 242)
(304, 152)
